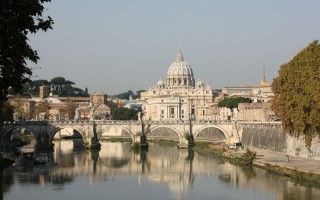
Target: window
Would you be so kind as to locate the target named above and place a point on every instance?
(182, 111)
(172, 110)
(162, 112)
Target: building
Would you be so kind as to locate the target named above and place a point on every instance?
(179, 96)
(260, 93)
(43, 91)
(102, 111)
(258, 110)
(25, 107)
(99, 98)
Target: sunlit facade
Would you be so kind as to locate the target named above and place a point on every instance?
(179, 96)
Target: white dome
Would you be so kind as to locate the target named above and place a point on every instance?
(180, 73)
(179, 69)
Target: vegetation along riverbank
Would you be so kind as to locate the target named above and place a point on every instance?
(249, 157)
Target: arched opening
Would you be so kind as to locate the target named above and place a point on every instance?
(67, 133)
(68, 146)
(114, 132)
(22, 141)
(210, 134)
(163, 133)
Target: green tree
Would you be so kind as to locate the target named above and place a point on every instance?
(18, 19)
(86, 93)
(233, 102)
(125, 95)
(138, 96)
(7, 111)
(61, 81)
(297, 94)
(124, 114)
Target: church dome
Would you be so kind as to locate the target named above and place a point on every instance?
(180, 73)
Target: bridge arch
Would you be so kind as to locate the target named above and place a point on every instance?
(9, 132)
(211, 132)
(57, 129)
(103, 131)
(164, 132)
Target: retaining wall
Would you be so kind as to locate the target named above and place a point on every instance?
(271, 137)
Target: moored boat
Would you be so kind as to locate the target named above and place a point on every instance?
(41, 158)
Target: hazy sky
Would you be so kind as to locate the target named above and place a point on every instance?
(117, 45)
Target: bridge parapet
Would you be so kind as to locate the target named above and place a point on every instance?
(25, 123)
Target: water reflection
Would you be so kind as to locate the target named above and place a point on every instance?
(171, 173)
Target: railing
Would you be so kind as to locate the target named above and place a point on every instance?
(137, 122)
(25, 123)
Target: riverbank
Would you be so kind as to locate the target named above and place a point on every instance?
(297, 168)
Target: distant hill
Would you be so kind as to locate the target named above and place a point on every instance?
(126, 95)
(57, 86)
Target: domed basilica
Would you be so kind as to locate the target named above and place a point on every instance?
(179, 97)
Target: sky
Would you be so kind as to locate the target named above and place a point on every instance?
(119, 45)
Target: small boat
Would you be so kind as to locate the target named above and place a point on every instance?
(41, 158)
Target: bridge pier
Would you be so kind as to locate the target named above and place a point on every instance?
(90, 137)
(44, 143)
(186, 143)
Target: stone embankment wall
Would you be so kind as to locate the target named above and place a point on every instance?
(271, 137)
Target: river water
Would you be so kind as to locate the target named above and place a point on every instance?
(164, 172)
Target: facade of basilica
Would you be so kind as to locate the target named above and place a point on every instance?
(179, 97)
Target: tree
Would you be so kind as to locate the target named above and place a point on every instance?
(86, 93)
(7, 111)
(126, 95)
(17, 20)
(297, 94)
(68, 111)
(43, 107)
(124, 114)
(61, 81)
(233, 102)
(138, 96)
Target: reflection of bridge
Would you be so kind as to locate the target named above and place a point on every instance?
(201, 130)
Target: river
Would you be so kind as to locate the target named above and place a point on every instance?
(163, 172)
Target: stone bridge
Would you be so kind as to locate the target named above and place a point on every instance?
(45, 131)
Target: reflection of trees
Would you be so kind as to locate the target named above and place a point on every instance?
(6, 181)
(145, 163)
(190, 159)
(61, 179)
(248, 172)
